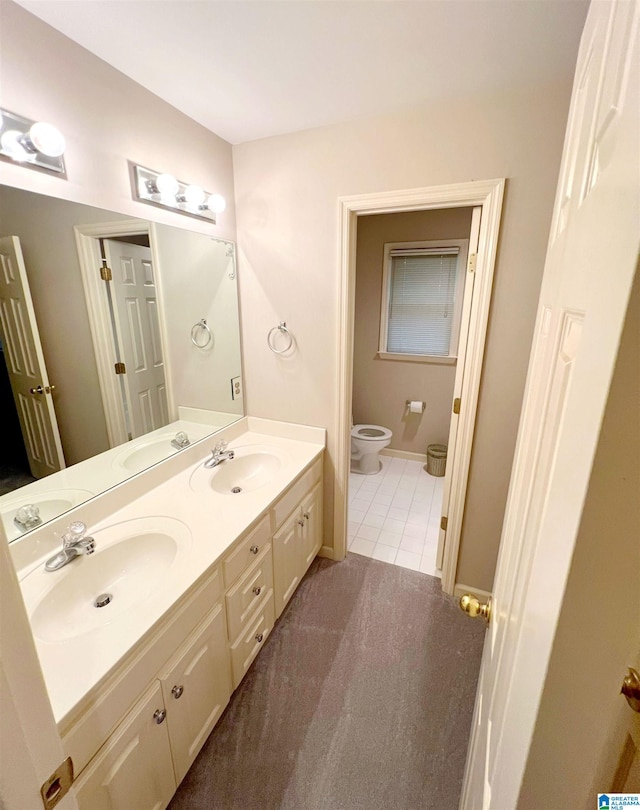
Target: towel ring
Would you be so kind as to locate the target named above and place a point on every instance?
(202, 324)
(281, 327)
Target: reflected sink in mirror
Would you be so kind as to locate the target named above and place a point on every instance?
(50, 503)
(131, 561)
(142, 457)
(252, 467)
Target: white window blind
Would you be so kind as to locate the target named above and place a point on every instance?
(422, 287)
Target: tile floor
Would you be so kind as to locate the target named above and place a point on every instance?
(394, 515)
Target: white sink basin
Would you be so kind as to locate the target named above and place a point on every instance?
(252, 467)
(130, 562)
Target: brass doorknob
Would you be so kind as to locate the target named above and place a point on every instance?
(38, 390)
(631, 689)
(473, 607)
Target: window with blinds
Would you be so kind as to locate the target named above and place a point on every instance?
(421, 311)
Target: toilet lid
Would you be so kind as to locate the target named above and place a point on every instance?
(371, 432)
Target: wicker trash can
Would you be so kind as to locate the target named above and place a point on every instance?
(436, 459)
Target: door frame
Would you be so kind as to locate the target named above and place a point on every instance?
(487, 194)
(88, 244)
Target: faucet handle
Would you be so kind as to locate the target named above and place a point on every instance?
(221, 446)
(74, 533)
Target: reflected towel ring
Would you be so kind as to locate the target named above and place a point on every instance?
(281, 327)
(202, 324)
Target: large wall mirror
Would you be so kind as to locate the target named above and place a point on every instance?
(120, 344)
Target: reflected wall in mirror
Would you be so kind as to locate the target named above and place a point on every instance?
(64, 406)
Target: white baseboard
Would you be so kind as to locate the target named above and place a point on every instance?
(421, 457)
(460, 589)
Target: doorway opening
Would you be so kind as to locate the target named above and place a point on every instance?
(486, 198)
(412, 287)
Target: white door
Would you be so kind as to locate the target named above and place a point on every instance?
(590, 266)
(25, 363)
(138, 332)
(453, 497)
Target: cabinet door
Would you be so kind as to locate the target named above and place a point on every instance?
(196, 688)
(133, 768)
(312, 531)
(287, 566)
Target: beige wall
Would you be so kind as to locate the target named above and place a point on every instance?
(577, 740)
(107, 120)
(287, 189)
(382, 387)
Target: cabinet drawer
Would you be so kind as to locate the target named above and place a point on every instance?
(251, 590)
(294, 495)
(248, 645)
(245, 551)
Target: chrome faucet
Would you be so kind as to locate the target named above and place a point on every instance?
(180, 440)
(219, 455)
(74, 543)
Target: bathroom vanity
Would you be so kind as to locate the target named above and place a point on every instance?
(192, 568)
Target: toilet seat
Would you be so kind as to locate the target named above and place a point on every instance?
(371, 433)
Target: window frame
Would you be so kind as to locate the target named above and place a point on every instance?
(462, 246)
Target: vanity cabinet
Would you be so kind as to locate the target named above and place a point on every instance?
(196, 687)
(133, 742)
(133, 769)
(299, 538)
(150, 752)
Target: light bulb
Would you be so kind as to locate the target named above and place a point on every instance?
(11, 143)
(217, 203)
(46, 139)
(194, 195)
(167, 185)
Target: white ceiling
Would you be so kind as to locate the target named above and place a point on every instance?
(250, 69)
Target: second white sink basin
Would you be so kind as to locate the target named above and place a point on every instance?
(252, 467)
(130, 562)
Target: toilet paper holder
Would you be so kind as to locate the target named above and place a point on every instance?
(415, 406)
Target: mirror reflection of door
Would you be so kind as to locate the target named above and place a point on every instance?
(24, 358)
(134, 311)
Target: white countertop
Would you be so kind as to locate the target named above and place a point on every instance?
(75, 664)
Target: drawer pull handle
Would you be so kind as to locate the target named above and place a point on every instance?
(177, 691)
(257, 591)
(306, 516)
(259, 637)
(159, 715)
(254, 549)
(300, 522)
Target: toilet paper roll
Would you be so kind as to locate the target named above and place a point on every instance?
(416, 407)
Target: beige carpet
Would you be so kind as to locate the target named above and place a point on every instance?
(361, 698)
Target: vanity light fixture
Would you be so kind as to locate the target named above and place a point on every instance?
(160, 188)
(31, 143)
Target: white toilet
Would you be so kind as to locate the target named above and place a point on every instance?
(366, 443)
